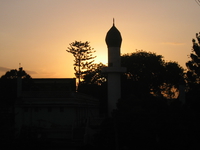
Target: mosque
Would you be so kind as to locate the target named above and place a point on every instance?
(53, 108)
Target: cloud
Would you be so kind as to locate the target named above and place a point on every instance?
(172, 43)
(4, 69)
(30, 72)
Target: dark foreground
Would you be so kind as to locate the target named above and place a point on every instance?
(42, 145)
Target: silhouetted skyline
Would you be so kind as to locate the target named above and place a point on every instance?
(37, 33)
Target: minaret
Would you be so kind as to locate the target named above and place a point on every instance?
(114, 69)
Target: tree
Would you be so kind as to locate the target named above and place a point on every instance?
(94, 75)
(149, 73)
(14, 74)
(8, 82)
(193, 66)
(173, 74)
(193, 74)
(8, 97)
(94, 83)
(83, 58)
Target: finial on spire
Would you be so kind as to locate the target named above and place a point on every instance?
(113, 21)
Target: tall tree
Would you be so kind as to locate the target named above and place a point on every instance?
(193, 65)
(83, 57)
(193, 74)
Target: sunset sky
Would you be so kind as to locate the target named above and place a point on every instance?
(36, 33)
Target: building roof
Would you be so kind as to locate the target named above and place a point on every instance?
(55, 92)
(53, 84)
(113, 37)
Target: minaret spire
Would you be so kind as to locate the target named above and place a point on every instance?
(113, 37)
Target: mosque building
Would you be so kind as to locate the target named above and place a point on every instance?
(53, 108)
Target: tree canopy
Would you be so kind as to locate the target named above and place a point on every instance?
(193, 74)
(14, 74)
(83, 57)
(94, 75)
(8, 83)
(149, 73)
(193, 66)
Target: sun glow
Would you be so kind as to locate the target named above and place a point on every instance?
(101, 55)
(40, 38)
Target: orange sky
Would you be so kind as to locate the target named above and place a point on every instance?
(36, 33)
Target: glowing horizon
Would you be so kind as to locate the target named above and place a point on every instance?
(37, 33)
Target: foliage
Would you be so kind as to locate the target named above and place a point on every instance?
(94, 84)
(149, 73)
(153, 122)
(83, 58)
(14, 74)
(148, 120)
(8, 82)
(173, 74)
(193, 66)
(94, 75)
(193, 75)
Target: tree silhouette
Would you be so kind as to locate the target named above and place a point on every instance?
(14, 74)
(94, 75)
(149, 73)
(83, 57)
(193, 65)
(94, 84)
(193, 73)
(172, 75)
(8, 82)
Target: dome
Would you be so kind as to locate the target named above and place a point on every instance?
(113, 37)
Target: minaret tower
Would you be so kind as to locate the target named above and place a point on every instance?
(114, 69)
